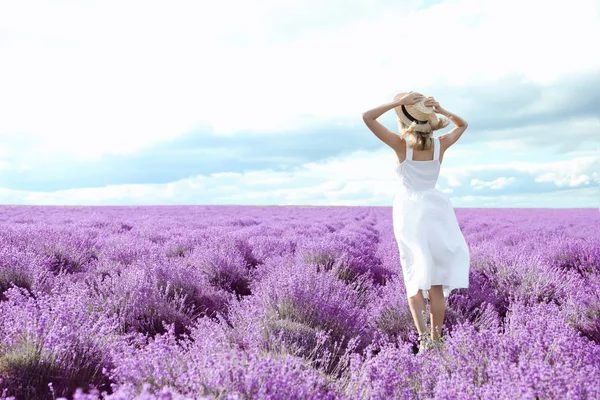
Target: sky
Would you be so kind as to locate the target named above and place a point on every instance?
(260, 103)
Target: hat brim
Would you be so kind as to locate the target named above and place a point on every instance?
(421, 111)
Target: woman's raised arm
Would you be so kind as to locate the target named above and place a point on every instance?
(460, 125)
(384, 134)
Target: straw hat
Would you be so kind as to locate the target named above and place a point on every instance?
(421, 117)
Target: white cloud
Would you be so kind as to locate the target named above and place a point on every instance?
(570, 180)
(96, 77)
(360, 178)
(82, 79)
(571, 172)
(496, 184)
(573, 198)
(568, 134)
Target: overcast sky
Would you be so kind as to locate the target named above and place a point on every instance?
(260, 102)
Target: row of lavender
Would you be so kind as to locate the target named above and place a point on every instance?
(289, 302)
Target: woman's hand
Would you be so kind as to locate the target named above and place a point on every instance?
(411, 98)
(431, 102)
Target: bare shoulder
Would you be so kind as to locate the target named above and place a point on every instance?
(398, 144)
(443, 143)
(400, 149)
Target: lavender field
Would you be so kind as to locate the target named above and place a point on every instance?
(224, 302)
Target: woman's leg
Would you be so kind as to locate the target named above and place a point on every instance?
(437, 305)
(417, 308)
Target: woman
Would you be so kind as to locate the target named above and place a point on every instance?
(433, 251)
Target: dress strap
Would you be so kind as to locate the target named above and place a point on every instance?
(409, 152)
(436, 148)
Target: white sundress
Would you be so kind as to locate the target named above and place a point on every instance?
(432, 248)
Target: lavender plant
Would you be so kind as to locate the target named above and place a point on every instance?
(215, 302)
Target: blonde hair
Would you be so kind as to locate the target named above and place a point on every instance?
(421, 140)
(417, 140)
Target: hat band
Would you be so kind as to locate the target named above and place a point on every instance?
(410, 117)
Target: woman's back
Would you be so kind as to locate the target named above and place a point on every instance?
(420, 174)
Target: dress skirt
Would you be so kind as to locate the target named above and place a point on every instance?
(433, 250)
